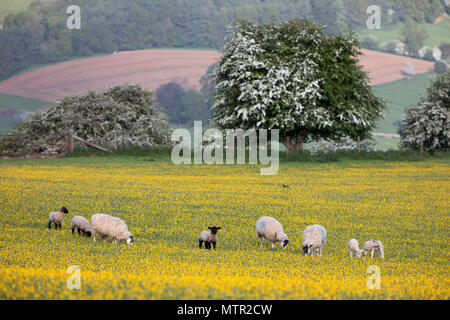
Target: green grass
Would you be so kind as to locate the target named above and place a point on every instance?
(401, 95)
(437, 33)
(13, 6)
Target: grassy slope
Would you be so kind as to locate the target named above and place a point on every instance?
(437, 33)
(12, 6)
(8, 102)
(401, 95)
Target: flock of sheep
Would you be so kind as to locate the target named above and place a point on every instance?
(314, 236)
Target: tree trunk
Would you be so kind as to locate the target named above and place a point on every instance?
(300, 142)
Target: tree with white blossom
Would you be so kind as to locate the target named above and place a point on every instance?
(428, 123)
(293, 77)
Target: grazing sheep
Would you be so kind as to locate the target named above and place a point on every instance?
(208, 237)
(56, 217)
(314, 239)
(374, 245)
(108, 226)
(353, 247)
(82, 225)
(271, 229)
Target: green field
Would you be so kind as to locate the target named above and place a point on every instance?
(401, 95)
(403, 204)
(437, 33)
(12, 6)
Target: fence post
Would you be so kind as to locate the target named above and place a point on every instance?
(70, 144)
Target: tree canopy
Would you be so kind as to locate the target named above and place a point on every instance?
(127, 112)
(293, 77)
(429, 121)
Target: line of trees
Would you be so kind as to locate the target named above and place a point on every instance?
(39, 34)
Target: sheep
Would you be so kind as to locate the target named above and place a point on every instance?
(272, 230)
(314, 239)
(82, 225)
(208, 237)
(108, 226)
(374, 245)
(353, 247)
(56, 218)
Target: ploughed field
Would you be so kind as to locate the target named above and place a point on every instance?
(403, 204)
(155, 67)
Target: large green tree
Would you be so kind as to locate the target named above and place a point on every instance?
(293, 77)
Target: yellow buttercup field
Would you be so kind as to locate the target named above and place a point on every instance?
(403, 204)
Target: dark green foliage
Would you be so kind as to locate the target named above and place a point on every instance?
(445, 49)
(370, 43)
(184, 107)
(440, 67)
(414, 37)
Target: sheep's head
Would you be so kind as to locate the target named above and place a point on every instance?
(214, 229)
(358, 253)
(130, 240)
(88, 233)
(284, 243)
(307, 248)
(64, 210)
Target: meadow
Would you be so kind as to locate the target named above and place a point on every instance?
(403, 204)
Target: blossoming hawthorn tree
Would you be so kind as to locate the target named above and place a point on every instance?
(429, 121)
(295, 78)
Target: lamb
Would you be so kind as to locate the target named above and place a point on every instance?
(82, 225)
(374, 245)
(208, 237)
(56, 218)
(272, 230)
(314, 239)
(108, 226)
(353, 247)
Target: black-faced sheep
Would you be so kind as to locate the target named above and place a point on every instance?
(314, 239)
(56, 217)
(82, 225)
(108, 226)
(374, 246)
(353, 248)
(208, 237)
(272, 230)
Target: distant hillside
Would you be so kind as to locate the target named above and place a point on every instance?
(40, 36)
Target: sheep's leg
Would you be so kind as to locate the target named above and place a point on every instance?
(365, 253)
(350, 254)
(320, 251)
(73, 229)
(59, 226)
(261, 240)
(371, 254)
(214, 245)
(200, 242)
(49, 225)
(273, 244)
(79, 231)
(114, 241)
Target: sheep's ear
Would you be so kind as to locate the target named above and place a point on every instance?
(219, 228)
(209, 228)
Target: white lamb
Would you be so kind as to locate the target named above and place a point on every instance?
(374, 246)
(208, 237)
(353, 247)
(108, 226)
(82, 225)
(314, 239)
(56, 217)
(271, 229)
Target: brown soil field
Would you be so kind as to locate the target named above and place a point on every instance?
(153, 68)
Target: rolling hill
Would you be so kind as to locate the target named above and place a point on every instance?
(155, 67)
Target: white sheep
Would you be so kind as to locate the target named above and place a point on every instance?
(353, 247)
(374, 246)
(314, 239)
(82, 225)
(208, 237)
(56, 217)
(272, 230)
(108, 226)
